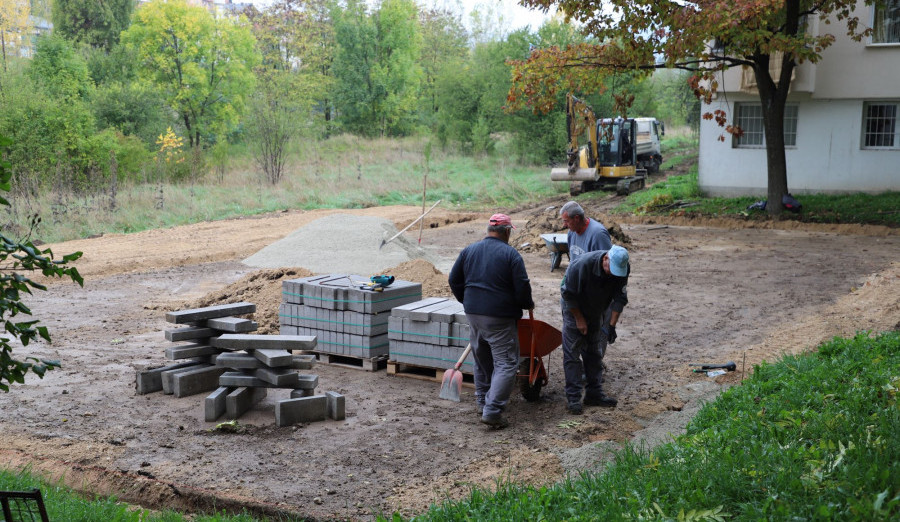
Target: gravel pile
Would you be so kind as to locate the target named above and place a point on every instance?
(340, 244)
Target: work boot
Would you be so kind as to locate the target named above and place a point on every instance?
(497, 422)
(575, 408)
(602, 400)
(479, 409)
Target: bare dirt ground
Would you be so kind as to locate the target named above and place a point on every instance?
(712, 291)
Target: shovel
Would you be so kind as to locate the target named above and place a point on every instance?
(451, 385)
(386, 241)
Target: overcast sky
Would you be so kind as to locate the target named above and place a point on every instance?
(514, 14)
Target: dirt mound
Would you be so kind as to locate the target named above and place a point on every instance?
(547, 221)
(434, 282)
(262, 288)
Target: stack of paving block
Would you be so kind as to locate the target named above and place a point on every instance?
(430, 333)
(346, 315)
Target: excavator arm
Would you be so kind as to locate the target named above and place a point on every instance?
(580, 121)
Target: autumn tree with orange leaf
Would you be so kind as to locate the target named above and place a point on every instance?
(705, 37)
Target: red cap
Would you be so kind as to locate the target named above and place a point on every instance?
(501, 219)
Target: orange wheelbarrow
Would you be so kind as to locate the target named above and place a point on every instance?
(536, 340)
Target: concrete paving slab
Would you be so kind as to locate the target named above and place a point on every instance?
(264, 342)
(190, 350)
(149, 380)
(192, 382)
(241, 400)
(214, 404)
(303, 409)
(232, 324)
(190, 333)
(210, 312)
(274, 358)
(282, 378)
(335, 405)
(167, 375)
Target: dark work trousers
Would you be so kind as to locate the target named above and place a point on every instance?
(495, 345)
(583, 357)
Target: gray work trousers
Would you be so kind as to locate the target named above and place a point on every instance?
(583, 357)
(495, 346)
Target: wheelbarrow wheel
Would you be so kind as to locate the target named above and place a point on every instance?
(530, 392)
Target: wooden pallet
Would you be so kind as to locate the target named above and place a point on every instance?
(424, 373)
(369, 364)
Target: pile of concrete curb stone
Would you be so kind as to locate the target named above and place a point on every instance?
(240, 367)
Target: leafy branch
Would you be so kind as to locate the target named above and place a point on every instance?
(18, 257)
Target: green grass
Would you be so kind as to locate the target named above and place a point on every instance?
(811, 437)
(680, 194)
(343, 172)
(63, 504)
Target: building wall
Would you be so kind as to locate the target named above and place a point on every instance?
(828, 157)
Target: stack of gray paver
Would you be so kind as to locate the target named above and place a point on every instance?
(430, 333)
(240, 367)
(348, 321)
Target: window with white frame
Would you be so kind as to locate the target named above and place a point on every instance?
(886, 23)
(880, 125)
(749, 117)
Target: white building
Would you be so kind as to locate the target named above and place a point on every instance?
(842, 132)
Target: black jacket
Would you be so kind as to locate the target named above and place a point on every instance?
(489, 278)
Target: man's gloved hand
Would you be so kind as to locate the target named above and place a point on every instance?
(611, 334)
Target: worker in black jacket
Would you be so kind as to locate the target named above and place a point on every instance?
(490, 280)
(594, 293)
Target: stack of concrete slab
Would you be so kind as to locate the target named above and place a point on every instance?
(430, 333)
(255, 363)
(196, 370)
(240, 367)
(347, 315)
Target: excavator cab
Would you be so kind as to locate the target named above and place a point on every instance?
(616, 142)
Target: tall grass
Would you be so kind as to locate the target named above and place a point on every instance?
(811, 437)
(342, 172)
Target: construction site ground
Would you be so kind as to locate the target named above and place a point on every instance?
(707, 291)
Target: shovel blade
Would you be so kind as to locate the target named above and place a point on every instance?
(451, 385)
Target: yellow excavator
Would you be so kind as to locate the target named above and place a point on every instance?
(608, 158)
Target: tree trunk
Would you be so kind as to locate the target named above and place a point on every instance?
(773, 98)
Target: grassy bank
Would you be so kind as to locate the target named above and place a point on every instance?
(680, 195)
(64, 504)
(811, 437)
(343, 172)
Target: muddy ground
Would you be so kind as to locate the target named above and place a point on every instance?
(714, 291)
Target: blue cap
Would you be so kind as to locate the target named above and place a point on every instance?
(618, 261)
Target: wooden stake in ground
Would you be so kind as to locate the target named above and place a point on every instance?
(425, 186)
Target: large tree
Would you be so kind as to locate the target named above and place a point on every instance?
(376, 67)
(704, 37)
(202, 65)
(444, 43)
(296, 40)
(96, 23)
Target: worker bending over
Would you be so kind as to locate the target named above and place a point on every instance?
(593, 296)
